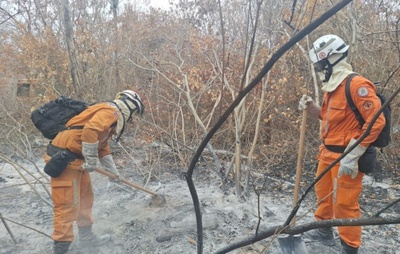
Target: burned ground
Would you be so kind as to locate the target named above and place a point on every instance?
(139, 223)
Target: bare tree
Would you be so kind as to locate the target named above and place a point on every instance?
(69, 34)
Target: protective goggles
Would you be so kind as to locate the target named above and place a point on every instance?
(321, 65)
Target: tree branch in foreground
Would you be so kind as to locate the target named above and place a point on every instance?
(306, 227)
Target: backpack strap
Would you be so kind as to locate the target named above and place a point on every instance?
(350, 100)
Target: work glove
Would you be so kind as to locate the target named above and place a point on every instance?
(349, 164)
(109, 165)
(91, 155)
(307, 103)
(304, 100)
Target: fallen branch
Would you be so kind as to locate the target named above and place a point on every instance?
(8, 229)
(387, 207)
(16, 165)
(34, 164)
(22, 225)
(306, 227)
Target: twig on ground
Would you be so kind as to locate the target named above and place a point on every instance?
(22, 225)
(30, 160)
(387, 207)
(16, 165)
(8, 229)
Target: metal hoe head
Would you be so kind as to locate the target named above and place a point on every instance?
(292, 244)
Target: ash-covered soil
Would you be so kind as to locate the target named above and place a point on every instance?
(141, 223)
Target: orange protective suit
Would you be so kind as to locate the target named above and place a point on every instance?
(338, 197)
(72, 192)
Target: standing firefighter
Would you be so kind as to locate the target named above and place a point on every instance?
(338, 191)
(83, 144)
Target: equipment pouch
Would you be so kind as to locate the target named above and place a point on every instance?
(58, 162)
(367, 161)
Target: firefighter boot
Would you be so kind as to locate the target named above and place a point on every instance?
(346, 249)
(323, 235)
(60, 247)
(87, 239)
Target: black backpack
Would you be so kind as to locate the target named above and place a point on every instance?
(384, 137)
(52, 116)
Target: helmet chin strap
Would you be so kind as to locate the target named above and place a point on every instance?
(329, 69)
(123, 124)
(328, 73)
(131, 111)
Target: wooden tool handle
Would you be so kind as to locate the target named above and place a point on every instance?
(300, 158)
(134, 185)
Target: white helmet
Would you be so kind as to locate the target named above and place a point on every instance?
(326, 46)
(133, 97)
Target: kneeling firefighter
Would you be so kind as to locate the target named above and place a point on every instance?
(73, 154)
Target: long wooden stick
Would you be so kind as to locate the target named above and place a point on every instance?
(288, 243)
(134, 185)
(300, 156)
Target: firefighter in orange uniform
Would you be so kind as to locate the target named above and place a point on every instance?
(338, 191)
(72, 192)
